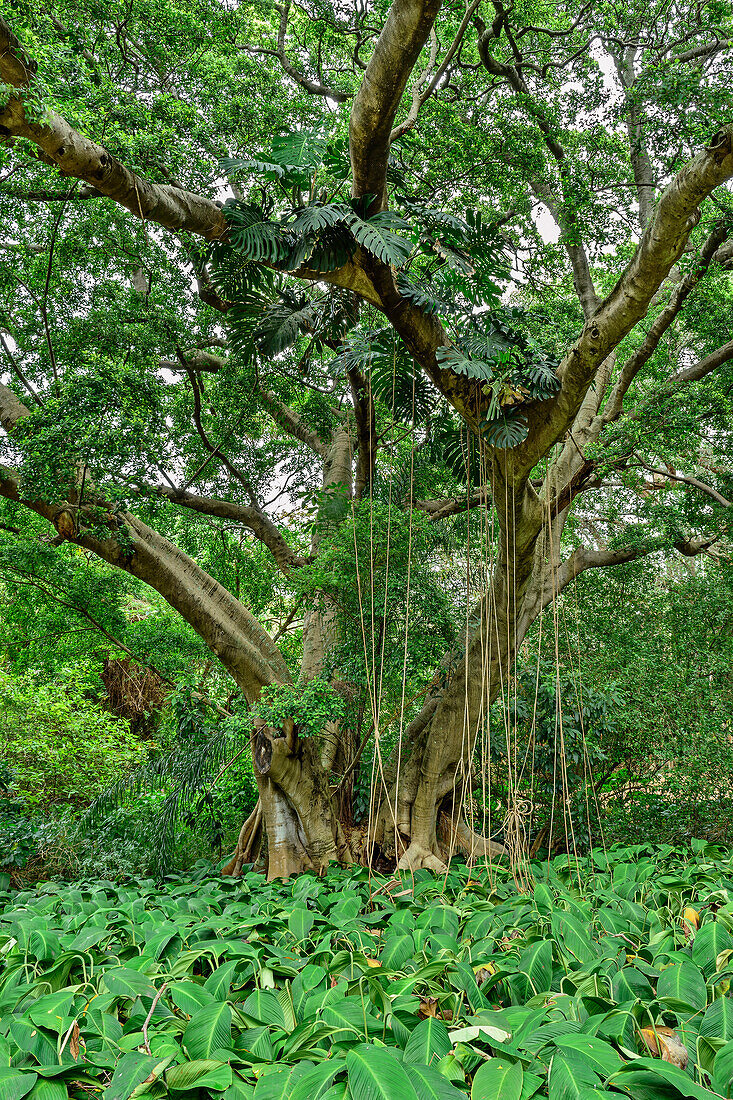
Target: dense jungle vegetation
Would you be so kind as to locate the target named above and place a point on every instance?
(366, 574)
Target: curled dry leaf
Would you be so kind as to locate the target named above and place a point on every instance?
(664, 1043)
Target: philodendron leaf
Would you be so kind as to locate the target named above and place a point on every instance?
(202, 1073)
(428, 1043)
(570, 1077)
(208, 1030)
(498, 1079)
(375, 1075)
(134, 1075)
(14, 1083)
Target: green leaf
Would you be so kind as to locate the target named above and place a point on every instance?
(428, 1043)
(279, 1082)
(208, 1029)
(377, 235)
(124, 982)
(600, 1055)
(630, 984)
(264, 1006)
(14, 1083)
(709, 941)
(543, 899)
(430, 1084)
(683, 987)
(498, 1080)
(203, 1073)
(52, 1010)
(134, 1075)
(717, 1022)
(570, 1077)
(376, 1075)
(398, 948)
(653, 1079)
(300, 922)
(723, 1070)
(48, 1090)
(315, 1083)
(190, 997)
(536, 963)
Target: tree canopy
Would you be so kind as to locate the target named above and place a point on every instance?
(358, 333)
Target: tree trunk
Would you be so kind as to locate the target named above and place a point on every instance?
(438, 757)
(301, 823)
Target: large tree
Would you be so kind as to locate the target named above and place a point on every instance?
(197, 315)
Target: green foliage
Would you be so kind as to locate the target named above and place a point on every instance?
(61, 747)
(555, 745)
(309, 706)
(350, 986)
(179, 782)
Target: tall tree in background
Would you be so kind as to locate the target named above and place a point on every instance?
(380, 320)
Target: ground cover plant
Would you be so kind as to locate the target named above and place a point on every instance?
(607, 974)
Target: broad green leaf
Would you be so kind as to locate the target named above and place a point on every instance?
(430, 1084)
(316, 1082)
(723, 1070)
(279, 1082)
(52, 1010)
(375, 1075)
(536, 963)
(134, 1075)
(717, 1022)
(601, 1056)
(709, 941)
(630, 984)
(45, 1089)
(204, 1073)
(208, 1029)
(572, 938)
(683, 987)
(264, 1006)
(498, 1080)
(428, 1043)
(125, 982)
(190, 997)
(653, 1079)
(398, 948)
(300, 923)
(219, 982)
(570, 1077)
(543, 899)
(14, 1083)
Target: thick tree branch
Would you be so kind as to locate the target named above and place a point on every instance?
(229, 629)
(289, 420)
(419, 98)
(83, 159)
(634, 364)
(257, 521)
(77, 156)
(662, 244)
(313, 87)
(373, 112)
